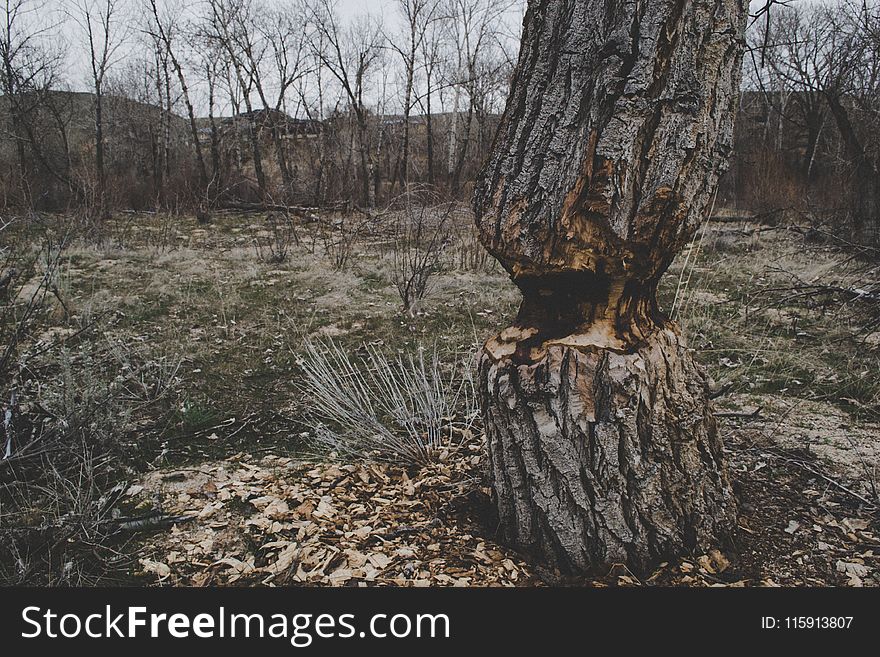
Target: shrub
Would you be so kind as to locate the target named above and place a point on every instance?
(73, 413)
(392, 408)
(421, 234)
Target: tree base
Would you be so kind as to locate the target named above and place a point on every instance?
(599, 457)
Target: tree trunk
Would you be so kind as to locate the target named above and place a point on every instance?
(601, 456)
(194, 132)
(368, 196)
(463, 153)
(166, 123)
(254, 138)
(155, 140)
(281, 156)
(620, 121)
(429, 128)
(452, 145)
(100, 171)
(403, 169)
(865, 175)
(216, 171)
(814, 117)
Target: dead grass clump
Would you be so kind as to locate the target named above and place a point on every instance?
(402, 408)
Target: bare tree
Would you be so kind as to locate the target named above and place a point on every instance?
(432, 47)
(474, 26)
(164, 29)
(29, 70)
(147, 146)
(602, 445)
(280, 31)
(228, 27)
(418, 17)
(268, 63)
(100, 22)
(851, 88)
(825, 57)
(350, 55)
(209, 62)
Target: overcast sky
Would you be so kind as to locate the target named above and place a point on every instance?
(352, 7)
(76, 60)
(77, 74)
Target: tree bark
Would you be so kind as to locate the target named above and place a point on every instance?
(619, 123)
(605, 457)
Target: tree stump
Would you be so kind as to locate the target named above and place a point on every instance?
(602, 445)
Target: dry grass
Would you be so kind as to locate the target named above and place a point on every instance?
(401, 409)
(808, 363)
(241, 323)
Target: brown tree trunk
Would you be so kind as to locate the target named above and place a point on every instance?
(217, 176)
(602, 445)
(102, 210)
(256, 151)
(865, 177)
(429, 129)
(281, 156)
(194, 132)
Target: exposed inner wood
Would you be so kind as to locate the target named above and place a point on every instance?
(579, 309)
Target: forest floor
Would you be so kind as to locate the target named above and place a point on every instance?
(225, 450)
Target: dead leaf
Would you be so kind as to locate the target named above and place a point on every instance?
(379, 560)
(719, 560)
(325, 508)
(157, 568)
(852, 568)
(856, 524)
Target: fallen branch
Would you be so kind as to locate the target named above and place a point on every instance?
(405, 530)
(721, 391)
(154, 521)
(737, 414)
(61, 530)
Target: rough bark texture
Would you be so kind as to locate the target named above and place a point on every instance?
(600, 457)
(618, 126)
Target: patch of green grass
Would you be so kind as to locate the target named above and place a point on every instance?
(193, 416)
(749, 331)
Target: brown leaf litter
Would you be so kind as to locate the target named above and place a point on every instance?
(278, 521)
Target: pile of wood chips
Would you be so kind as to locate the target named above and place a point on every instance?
(278, 521)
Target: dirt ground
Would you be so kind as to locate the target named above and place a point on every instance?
(252, 503)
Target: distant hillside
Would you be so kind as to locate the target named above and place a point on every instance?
(123, 117)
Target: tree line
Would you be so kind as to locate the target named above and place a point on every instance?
(192, 105)
(807, 134)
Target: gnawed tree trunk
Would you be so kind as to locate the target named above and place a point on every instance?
(619, 123)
